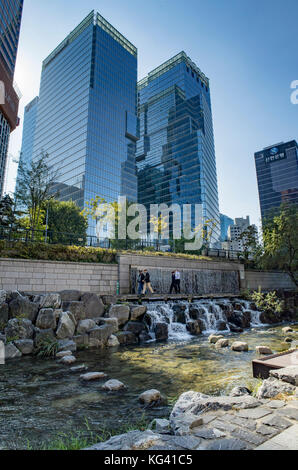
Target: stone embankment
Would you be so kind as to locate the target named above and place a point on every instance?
(268, 420)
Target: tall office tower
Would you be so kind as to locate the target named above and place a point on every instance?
(10, 23)
(175, 154)
(277, 174)
(86, 118)
(225, 222)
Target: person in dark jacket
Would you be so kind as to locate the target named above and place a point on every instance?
(147, 283)
(173, 285)
(141, 280)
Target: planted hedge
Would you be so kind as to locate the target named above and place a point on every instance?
(42, 251)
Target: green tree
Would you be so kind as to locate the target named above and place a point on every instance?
(280, 236)
(66, 223)
(249, 238)
(8, 213)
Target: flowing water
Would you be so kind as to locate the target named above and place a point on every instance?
(40, 398)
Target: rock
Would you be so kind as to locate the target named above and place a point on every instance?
(3, 296)
(161, 426)
(214, 338)
(85, 326)
(227, 444)
(11, 351)
(235, 329)
(126, 337)
(48, 301)
(112, 322)
(286, 374)
(220, 325)
(79, 368)
(161, 331)
(113, 341)
(66, 344)
(19, 328)
(133, 440)
(43, 335)
(151, 397)
(61, 354)
(272, 387)
(76, 308)
(137, 312)
(109, 299)
(66, 327)
(99, 335)
(239, 391)
(93, 305)
(46, 319)
(91, 376)
(68, 360)
(70, 295)
(26, 346)
(3, 338)
(222, 343)
(287, 329)
(246, 319)
(113, 385)
(81, 341)
(179, 313)
(22, 307)
(263, 350)
(239, 346)
(144, 337)
(135, 327)
(3, 314)
(121, 312)
(193, 327)
(288, 339)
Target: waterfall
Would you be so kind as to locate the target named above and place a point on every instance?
(164, 313)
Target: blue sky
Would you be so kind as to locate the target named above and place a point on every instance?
(248, 49)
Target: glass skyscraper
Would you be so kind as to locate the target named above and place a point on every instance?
(86, 119)
(225, 223)
(10, 23)
(277, 174)
(29, 125)
(175, 154)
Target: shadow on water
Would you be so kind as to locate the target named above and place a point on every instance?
(40, 398)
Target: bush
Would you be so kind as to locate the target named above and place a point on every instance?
(268, 303)
(42, 251)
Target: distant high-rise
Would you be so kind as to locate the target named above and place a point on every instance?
(10, 23)
(225, 222)
(29, 126)
(86, 118)
(175, 154)
(277, 174)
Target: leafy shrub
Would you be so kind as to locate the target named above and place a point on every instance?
(268, 302)
(47, 348)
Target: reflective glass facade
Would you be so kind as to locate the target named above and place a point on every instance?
(225, 222)
(30, 115)
(86, 118)
(175, 154)
(277, 174)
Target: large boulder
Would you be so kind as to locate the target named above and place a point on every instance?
(76, 308)
(3, 296)
(11, 351)
(26, 346)
(193, 327)
(179, 313)
(22, 307)
(109, 299)
(67, 345)
(81, 341)
(137, 312)
(112, 322)
(66, 326)
(98, 336)
(121, 312)
(46, 319)
(161, 331)
(239, 346)
(220, 325)
(113, 341)
(246, 319)
(43, 335)
(263, 350)
(85, 326)
(93, 305)
(286, 374)
(19, 328)
(239, 391)
(70, 295)
(3, 314)
(222, 343)
(126, 337)
(135, 327)
(272, 387)
(48, 301)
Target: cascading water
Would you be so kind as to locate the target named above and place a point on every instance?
(164, 313)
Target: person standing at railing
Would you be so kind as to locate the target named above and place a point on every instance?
(147, 283)
(177, 281)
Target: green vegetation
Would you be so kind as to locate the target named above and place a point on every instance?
(48, 347)
(268, 302)
(66, 223)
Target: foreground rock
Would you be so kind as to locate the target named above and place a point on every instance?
(222, 343)
(121, 312)
(214, 338)
(272, 387)
(239, 346)
(239, 391)
(91, 376)
(68, 360)
(151, 397)
(66, 326)
(113, 341)
(25, 346)
(286, 374)
(19, 328)
(11, 351)
(113, 385)
(263, 350)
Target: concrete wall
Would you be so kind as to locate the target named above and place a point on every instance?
(127, 262)
(267, 280)
(53, 276)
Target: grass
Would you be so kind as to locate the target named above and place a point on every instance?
(48, 347)
(87, 437)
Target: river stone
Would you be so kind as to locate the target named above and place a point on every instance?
(239, 391)
(239, 346)
(288, 339)
(150, 396)
(287, 329)
(93, 376)
(179, 313)
(48, 301)
(26, 346)
(113, 341)
(144, 337)
(68, 360)
(193, 327)
(121, 312)
(135, 327)
(46, 319)
(112, 322)
(81, 341)
(61, 354)
(19, 328)
(67, 344)
(79, 368)
(85, 326)
(263, 350)
(220, 325)
(137, 312)
(214, 338)
(113, 385)
(222, 343)
(76, 308)
(3, 296)
(286, 374)
(3, 314)
(99, 335)
(93, 305)
(161, 331)
(66, 327)
(235, 329)
(11, 351)
(22, 307)
(70, 295)
(43, 335)
(272, 387)
(126, 337)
